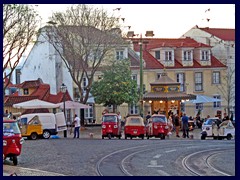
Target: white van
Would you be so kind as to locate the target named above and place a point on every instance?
(51, 123)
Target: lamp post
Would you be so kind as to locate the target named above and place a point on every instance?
(64, 90)
(140, 41)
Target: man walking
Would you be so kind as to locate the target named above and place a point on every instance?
(185, 126)
(76, 126)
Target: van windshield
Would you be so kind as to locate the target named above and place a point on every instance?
(109, 118)
(159, 119)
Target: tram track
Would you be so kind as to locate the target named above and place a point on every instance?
(201, 158)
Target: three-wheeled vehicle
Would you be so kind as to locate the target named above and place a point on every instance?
(111, 126)
(134, 127)
(12, 140)
(31, 129)
(157, 126)
(213, 127)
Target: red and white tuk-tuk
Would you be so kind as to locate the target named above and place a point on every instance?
(111, 126)
(12, 140)
(157, 126)
(134, 127)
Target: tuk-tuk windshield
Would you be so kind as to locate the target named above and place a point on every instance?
(208, 122)
(134, 121)
(11, 128)
(159, 119)
(109, 118)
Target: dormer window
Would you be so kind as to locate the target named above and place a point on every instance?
(205, 55)
(187, 55)
(119, 55)
(157, 54)
(168, 55)
(25, 91)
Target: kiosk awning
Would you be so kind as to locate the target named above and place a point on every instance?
(159, 96)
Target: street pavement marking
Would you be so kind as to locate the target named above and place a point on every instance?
(157, 156)
(171, 151)
(163, 173)
(153, 163)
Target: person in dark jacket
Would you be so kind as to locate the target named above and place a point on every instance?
(185, 126)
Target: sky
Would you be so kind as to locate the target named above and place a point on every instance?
(166, 20)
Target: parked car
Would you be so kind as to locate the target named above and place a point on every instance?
(134, 127)
(12, 140)
(157, 126)
(111, 126)
(214, 127)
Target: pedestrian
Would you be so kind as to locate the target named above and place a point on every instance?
(148, 116)
(177, 124)
(119, 116)
(185, 126)
(156, 111)
(170, 124)
(76, 126)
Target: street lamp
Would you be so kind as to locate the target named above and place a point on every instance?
(140, 41)
(64, 90)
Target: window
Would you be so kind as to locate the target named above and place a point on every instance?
(168, 56)
(134, 77)
(187, 55)
(205, 55)
(216, 77)
(217, 104)
(199, 106)
(85, 83)
(89, 112)
(198, 81)
(159, 75)
(25, 91)
(134, 109)
(157, 54)
(119, 55)
(181, 80)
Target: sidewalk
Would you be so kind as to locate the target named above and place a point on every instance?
(85, 133)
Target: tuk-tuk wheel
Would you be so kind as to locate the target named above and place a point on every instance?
(125, 137)
(147, 137)
(34, 136)
(119, 137)
(109, 136)
(229, 137)
(102, 137)
(203, 137)
(15, 160)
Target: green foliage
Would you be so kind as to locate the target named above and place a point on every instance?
(116, 87)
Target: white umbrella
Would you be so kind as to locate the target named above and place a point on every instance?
(203, 99)
(35, 104)
(73, 105)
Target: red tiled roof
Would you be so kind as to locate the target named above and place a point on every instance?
(30, 84)
(59, 97)
(151, 62)
(10, 100)
(42, 91)
(224, 34)
(162, 42)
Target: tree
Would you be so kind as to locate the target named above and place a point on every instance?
(227, 88)
(84, 38)
(116, 86)
(19, 28)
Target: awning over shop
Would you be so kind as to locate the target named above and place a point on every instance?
(159, 96)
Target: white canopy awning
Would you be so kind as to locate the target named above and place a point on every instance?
(35, 104)
(73, 105)
(203, 99)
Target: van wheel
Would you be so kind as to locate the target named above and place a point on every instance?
(229, 136)
(15, 160)
(46, 134)
(109, 136)
(34, 136)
